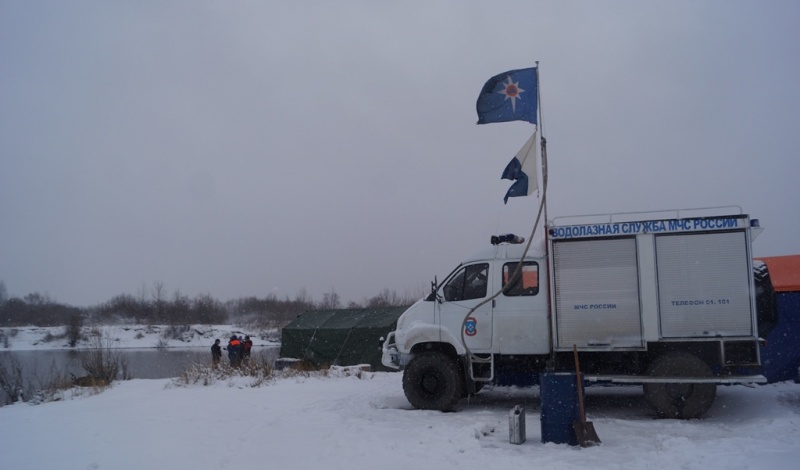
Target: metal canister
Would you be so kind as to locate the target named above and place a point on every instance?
(516, 425)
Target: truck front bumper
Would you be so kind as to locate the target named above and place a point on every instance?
(390, 356)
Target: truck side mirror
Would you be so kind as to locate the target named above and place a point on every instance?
(432, 296)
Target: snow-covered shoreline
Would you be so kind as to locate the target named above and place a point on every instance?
(345, 422)
(32, 338)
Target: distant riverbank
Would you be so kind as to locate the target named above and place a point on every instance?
(32, 338)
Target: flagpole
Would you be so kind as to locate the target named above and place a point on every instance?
(543, 147)
(543, 152)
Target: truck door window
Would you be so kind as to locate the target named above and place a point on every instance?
(526, 284)
(471, 282)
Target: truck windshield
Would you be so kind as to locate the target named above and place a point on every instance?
(471, 282)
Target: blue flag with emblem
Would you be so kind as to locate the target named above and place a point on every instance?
(510, 96)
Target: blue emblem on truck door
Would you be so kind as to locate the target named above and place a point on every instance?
(471, 326)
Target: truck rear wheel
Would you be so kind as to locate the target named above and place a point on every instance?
(433, 381)
(680, 400)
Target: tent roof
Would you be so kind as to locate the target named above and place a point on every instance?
(347, 318)
(784, 272)
(312, 319)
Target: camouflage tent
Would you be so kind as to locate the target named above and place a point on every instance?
(339, 337)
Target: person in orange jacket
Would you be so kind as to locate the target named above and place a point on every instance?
(234, 351)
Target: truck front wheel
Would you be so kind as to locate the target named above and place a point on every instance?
(680, 400)
(432, 381)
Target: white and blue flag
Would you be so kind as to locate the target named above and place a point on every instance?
(522, 170)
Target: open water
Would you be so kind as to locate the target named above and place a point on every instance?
(146, 363)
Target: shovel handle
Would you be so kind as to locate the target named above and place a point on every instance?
(580, 384)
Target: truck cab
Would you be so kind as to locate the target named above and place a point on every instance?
(463, 313)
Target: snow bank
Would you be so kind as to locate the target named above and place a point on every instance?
(132, 336)
(343, 422)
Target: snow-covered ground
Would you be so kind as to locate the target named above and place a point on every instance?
(346, 422)
(131, 336)
(341, 421)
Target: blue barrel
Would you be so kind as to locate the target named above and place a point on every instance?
(558, 392)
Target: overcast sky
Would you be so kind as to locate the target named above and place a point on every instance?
(242, 148)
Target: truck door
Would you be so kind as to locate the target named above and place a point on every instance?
(521, 323)
(596, 286)
(466, 288)
(704, 285)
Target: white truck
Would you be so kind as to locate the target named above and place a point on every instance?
(667, 302)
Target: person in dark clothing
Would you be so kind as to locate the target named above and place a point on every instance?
(234, 351)
(247, 345)
(216, 354)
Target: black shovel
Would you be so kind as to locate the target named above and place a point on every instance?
(584, 431)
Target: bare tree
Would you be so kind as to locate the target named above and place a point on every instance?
(207, 310)
(386, 298)
(73, 329)
(159, 301)
(303, 297)
(179, 310)
(11, 383)
(101, 361)
(330, 300)
(142, 294)
(36, 298)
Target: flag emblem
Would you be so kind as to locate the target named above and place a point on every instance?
(511, 92)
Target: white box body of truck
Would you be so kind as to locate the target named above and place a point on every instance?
(660, 302)
(623, 285)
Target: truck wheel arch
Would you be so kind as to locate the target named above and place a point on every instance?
(681, 401)
(425, 336)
